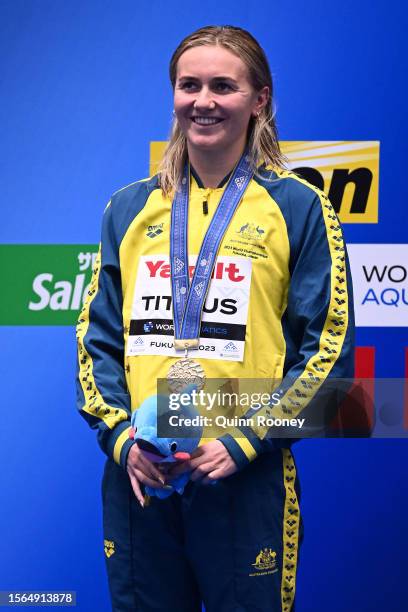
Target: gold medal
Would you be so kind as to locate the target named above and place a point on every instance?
(183, 372)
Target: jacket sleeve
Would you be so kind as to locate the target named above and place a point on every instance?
(102, 395)
(318, 327)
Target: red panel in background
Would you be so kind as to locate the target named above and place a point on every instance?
(365, 362)
(356, 413)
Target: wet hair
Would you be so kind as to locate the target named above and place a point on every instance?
(263, 141)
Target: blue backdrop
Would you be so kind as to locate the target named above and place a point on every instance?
(84, 89)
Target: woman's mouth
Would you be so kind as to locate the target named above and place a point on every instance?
(206, 120)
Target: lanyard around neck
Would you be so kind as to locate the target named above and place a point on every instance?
(188, 299)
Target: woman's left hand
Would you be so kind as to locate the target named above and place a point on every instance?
(208, 462)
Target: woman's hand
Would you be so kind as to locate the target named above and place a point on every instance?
(208, 462)
(141, 470)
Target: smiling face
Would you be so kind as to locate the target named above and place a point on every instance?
(214, 100)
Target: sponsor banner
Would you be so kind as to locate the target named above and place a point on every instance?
(223, 326)
(45, 283)
(348, 171)
(380, 282)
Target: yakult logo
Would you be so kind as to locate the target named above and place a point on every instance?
(230, 271)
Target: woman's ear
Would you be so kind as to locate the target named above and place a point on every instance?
(261, 101)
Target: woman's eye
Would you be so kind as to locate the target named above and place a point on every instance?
(188, 85)
(222, 86)
(191, 85)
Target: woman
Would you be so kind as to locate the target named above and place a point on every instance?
(279, 296)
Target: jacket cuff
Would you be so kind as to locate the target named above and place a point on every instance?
(244, 448)
(118, 443)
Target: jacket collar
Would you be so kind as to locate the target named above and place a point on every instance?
(200, 183)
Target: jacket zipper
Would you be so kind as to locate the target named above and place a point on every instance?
(205, 201)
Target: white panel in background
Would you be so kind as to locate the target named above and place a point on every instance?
(380, 282)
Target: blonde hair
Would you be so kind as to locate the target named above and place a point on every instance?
(263, 141)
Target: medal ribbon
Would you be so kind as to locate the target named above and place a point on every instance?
(188, 300)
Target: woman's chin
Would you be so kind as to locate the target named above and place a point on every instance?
(205, 143)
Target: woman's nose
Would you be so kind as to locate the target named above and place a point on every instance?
(204, 99)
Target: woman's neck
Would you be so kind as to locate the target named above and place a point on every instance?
(213, 167)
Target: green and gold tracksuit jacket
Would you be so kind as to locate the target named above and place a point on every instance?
(279, 306)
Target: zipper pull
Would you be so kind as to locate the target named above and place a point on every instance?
(206, 195)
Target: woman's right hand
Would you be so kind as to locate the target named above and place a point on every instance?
(142, 471)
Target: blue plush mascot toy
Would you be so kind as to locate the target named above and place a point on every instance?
(158, 449)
